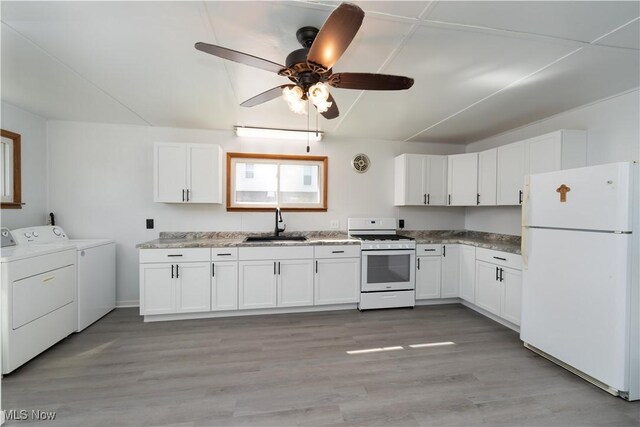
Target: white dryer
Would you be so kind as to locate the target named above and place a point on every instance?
(38, 298)
(96, 269)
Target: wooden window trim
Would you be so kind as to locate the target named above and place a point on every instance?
(17, 184)
(325, 165)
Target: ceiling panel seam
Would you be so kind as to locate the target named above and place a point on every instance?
(77, 73)
(522, 79)
(389, 58)
(224, 63)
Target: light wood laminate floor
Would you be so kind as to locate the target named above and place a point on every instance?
(293, 369)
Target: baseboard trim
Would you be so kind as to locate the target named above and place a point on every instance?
(491, 316)
(237, 313)
(438, 301)
(128, 303)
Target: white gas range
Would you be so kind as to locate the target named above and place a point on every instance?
(388, 264)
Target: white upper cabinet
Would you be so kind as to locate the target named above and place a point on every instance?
(187, 173)
(564, 149)
(511, 161)
(487, 174)
(435, 182)
(420, 180)
(463, 179)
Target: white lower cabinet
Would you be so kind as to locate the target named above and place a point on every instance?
(257, 282)
(157, 289)
(193, 287)
(499, 290)
(488, 287)
(428, 277)
(295, 283)
(468, 273)
(512, 301)
(450, 271)
(167, 288)
(337, 281)
(224, 285)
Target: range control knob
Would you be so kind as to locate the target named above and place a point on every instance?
(35, 234)
(27, 235)
(57, 231)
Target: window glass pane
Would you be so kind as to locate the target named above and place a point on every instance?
(260, 188)
(293, 184)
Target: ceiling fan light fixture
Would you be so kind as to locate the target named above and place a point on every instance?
(323, 106)
(318, 92)
(293, 96)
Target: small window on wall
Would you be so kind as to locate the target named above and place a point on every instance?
(10, 182)
(262, 182)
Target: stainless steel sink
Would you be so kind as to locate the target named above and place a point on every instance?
(275, 239)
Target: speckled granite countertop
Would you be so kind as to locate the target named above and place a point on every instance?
(498, 242)
(172, 240)
(218, 239)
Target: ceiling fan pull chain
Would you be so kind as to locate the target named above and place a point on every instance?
(308, 122)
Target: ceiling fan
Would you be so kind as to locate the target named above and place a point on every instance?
(310, 68)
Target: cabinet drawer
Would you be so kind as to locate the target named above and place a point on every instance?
(275, 252)
(39, 295)
(224, 254)
(338, 251)
(504, 259)
(429, 249)
(175, 255)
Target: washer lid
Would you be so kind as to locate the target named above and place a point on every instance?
(83, 244)
(14, 253)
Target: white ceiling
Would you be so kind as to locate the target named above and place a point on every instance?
(480, 68)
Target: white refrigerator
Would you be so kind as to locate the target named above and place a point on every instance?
(580, 297)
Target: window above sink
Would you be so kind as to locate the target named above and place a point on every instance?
(262, 182)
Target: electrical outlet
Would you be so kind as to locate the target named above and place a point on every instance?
(149, 224)
(401, 223)
(335, 224)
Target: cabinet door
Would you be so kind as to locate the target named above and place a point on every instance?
(488, 288)
(468, 273)
(428, 277)
(157, 290)
(204, 173)
(295, 283)
(435, 185)
(170, 172)
(487, 175)
(462, 172)
(415, 180)
(511, 172)
(256, 284)
(193, 287)
(512, 298)
(544, 153)
(224, 285)
(337, 281)
(450, 271)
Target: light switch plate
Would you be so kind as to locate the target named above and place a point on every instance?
(335, 224)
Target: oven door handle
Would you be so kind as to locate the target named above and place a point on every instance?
(374, 252)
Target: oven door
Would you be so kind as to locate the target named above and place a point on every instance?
(388, 270)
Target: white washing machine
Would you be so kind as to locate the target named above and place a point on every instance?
(96, 269)
(38, 298)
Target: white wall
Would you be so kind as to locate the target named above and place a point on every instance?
(613, 135)
(101, 185)
(33, 144)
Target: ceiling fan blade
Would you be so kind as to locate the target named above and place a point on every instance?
(333, 111)
(265, 96)
(369, 81)
(335, 36)
(239, 57)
